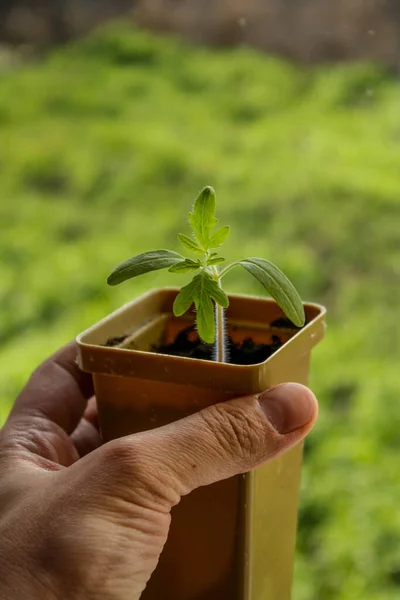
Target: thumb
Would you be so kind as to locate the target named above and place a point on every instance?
(220, 441)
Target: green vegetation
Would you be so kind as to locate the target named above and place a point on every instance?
(101, 147)
(206, 285)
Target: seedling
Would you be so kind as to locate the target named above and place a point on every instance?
(205, 289)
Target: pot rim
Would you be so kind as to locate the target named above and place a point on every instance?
(315, 336)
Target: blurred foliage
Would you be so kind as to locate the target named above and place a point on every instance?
(102, 146)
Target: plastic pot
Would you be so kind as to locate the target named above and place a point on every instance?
(233, 540)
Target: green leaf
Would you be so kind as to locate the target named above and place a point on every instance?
(190, 244)
(183, 300)
(184, 266)
(143, 263)
(202, 219)
(205, 320)
(219, 237)
(215, 260)
(278, 286)
(201, 291)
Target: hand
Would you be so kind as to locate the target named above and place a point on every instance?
(85, 521)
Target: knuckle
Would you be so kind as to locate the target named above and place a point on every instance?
(135, 473)
(118, 457)
(238, 431)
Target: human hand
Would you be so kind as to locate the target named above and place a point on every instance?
(88, 521)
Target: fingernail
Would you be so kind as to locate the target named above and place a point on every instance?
(288, 406)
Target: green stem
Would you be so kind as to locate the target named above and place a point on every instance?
(226, 270)
(220, 345)
(220, 335)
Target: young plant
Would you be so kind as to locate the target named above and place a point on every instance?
(205, 289)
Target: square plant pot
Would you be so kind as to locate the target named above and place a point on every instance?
(235, 539)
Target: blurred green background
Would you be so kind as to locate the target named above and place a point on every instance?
(103, 146)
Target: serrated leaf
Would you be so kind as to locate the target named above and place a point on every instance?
(201, 291)
(219, 237)
(202, 219)
(278, 286)
(143, 263)
(216, 260)
(184, 266)
(190, 244)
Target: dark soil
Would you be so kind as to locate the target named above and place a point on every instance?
(283, 323)
(188, 344)
(246, 352)
(115, 341)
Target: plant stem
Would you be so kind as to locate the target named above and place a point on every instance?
(220, 335)
(227, 269)
(220, 345)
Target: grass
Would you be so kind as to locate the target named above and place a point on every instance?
(103, 145)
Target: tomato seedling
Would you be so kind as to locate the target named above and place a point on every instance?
(205, 289)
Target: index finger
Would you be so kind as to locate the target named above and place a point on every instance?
(57, 390)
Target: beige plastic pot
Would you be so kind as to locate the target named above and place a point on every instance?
(233, 540)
